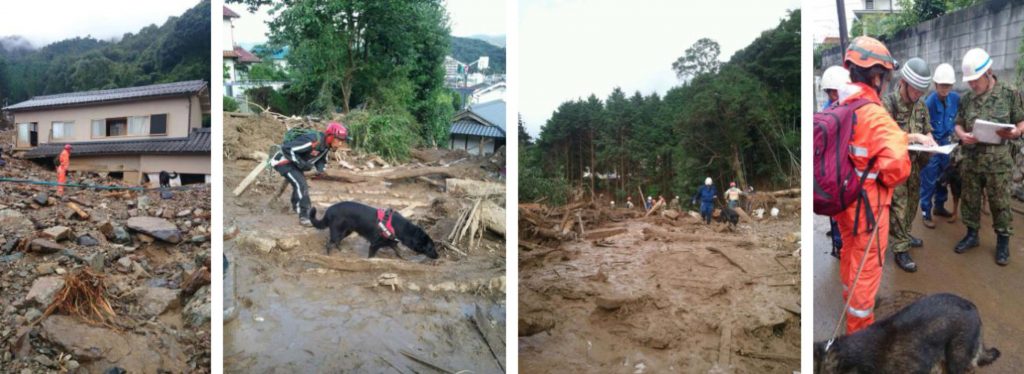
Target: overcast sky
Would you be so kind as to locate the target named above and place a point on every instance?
(569, 49)
(45, 22)
(467, 17)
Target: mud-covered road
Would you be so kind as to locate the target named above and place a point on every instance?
(996, 290)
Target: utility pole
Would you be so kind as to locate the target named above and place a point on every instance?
(842, 24)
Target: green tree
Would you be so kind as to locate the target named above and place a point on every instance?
(700, 58)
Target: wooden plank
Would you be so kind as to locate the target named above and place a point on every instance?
(250, 178)
(491, 336)
(426, 362)
(725, 346)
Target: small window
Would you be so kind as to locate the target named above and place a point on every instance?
(99, 128)
(62, 131)
(138, 125)
(117, 126)
(158, 124)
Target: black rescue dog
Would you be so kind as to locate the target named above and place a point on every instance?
(940, 331)
(165, 178)
(729, 216)
(345, 217)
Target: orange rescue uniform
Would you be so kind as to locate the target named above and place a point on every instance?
(62, 170)
(875, 135)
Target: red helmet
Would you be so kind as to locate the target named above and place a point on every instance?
(67, 147)
(337, 130)
(732, 184)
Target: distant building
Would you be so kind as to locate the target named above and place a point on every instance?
(480, 129)
(134, 132)
(234, 56)
(872, 12)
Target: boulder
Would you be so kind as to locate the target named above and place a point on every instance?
(154, 301)
(158, 228)
(57, 233)
(106, 348)
(197, 311)
(44, 290)
(251, 241)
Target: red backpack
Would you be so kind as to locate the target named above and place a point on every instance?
(836, 183)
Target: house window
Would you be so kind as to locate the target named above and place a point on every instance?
(138, 125)
(158, 124)
(869, 4)
(117, 126)
(27, 136)
(62, 131)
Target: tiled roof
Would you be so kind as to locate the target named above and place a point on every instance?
(198, 141)
(245, 56)
(468, 126)
(104, 96)
(228, 13)
(492, 111)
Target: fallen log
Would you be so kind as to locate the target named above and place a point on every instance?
(389, 174)
(473, 188)
(492, 217)
(655, 207)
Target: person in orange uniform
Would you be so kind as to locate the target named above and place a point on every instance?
(64, 161)
(877, 137)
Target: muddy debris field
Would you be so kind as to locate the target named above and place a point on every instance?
(290, 307)
(96, 281)
(618, 291)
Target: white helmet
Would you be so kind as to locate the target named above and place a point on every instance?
(707, 181)
(834, 77)
(976, 63)
(944, 74)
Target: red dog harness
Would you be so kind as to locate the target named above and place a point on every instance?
(384, 223)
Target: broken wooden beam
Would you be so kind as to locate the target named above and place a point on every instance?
(78, 210)
(473, 188)
(250, 178)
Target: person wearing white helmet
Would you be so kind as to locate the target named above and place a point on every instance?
(942, 106)
(905, 106)
(987, 169)
(831, 81)
(707, 195)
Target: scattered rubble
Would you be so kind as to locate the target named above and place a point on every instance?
(413, 313)
(60, 256)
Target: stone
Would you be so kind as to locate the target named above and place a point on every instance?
(145, 238)
(288, 243)
(57, 233)
(96, 262)
(41, 198)
(154, 301)
(45, 361)
(46, 268)
(198, 239)
(142, 203)
(197, 311)
(121, 236)
(251, 241)
(166, 195)
(87, 241)
(107, 229)
(107, 348)
(32, 314)
(125, 264)
(158, 228)
(45, 246)
(184, 213)
(43, 290)
(13, 221)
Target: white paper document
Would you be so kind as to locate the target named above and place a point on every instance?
(942, 149)
(985, 131)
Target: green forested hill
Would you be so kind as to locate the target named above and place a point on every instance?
(468, 50)
(178, 50)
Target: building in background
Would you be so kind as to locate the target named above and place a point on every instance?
(479, 129)
(134, 132)
(235, 58)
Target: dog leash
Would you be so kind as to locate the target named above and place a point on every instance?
(863, 260)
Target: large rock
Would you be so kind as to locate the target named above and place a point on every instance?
(154, 301)
(252, 241)
(42, 198)
(13, 221)
(100, 348)
(159, 228)
(197, 311)
(57, 233)
(43, 290)
(45, 246)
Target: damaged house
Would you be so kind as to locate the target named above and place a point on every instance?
(133, 133)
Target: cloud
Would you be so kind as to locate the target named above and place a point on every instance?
(45, 22)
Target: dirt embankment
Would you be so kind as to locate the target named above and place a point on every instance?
(292, 307)
(610, 290)
(100, 280)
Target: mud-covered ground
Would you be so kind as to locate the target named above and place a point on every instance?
(664, 296)
(974, 275)
(293, 308)
(158, 290)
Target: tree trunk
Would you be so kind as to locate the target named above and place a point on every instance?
(737, 165)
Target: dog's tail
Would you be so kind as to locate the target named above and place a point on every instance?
(988, 356)
(319, 224)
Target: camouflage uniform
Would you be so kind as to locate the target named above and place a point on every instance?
(988, 168)
(913, 119)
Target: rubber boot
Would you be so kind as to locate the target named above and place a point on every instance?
(905, 262)
(969, 241)
(1003, 250)
(941, 212)
(916, 243)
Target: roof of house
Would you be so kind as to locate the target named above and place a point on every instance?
(243, 55)
(487, 119)
(198, 141)
(228, 13)
(106, 96)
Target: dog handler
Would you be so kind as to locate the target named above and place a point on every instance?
(302, 154)
(908, 110)
(987, 168)
(733, 195)
(707, 196)
(880, 139)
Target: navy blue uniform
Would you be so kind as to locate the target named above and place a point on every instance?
(706, 194)
(943, 120)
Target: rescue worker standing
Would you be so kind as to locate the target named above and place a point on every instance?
(907, 109)
(63, 163)
(303, 153)
(880, 142)
(732, 195)
(987, 168)
(707, 196)
(942, 108)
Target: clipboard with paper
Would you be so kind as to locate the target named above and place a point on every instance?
(942, 149)
(985, 131)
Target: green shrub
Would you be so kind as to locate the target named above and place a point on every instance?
(388, 135)
(230, 105)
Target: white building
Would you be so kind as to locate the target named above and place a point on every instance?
(234, 57)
